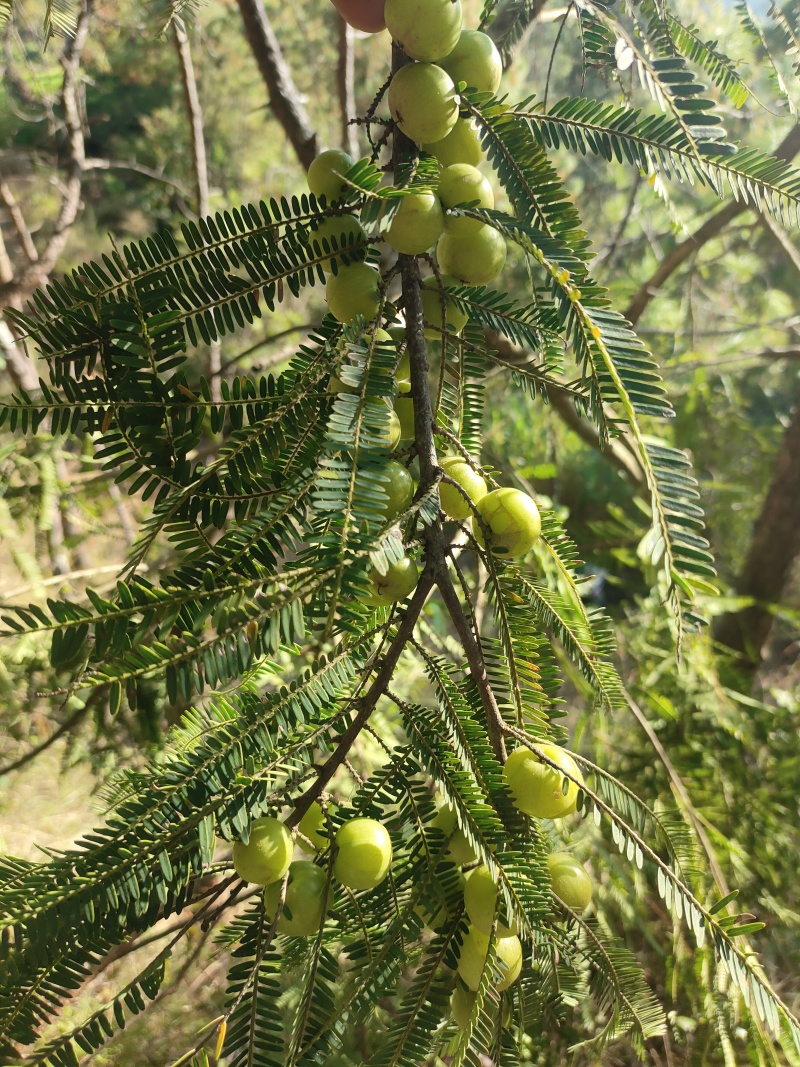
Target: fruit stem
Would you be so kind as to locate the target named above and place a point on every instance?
(367, 704)
(430, 472)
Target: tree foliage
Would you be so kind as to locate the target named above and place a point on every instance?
(244, 605)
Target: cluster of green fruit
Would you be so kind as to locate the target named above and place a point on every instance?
(362, 861)
(423, 101)
(363, 856)
(538, 790)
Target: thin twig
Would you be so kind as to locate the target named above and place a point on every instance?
(367, 702)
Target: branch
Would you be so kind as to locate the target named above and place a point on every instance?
(711, 228)
(195, 113)
(94, 163)
(344, 79)
(368, 702)
(614, 451)
(683, 795)
(18, 220)
(38, 271)
(200, 168)
(283, 95)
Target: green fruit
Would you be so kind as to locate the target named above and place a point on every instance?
(460, 851)
(325, 173)
(398, 486)
(463, 184)
(353, 291)
(431, 296)
(314, 826)
(425, 29)
(340, 234)
(399, 582)
(476, 61)
(364, 854)
(404, 409)
(417, 224)
(509, 961)
(480, 898)
(538, 789)
(461, 145)
(433, 922)
(402, 372)
(451, 500)
(305, 898)
(476, 259)
(472, 959)
(462, 1001)
(393, 434)
(571, 884)
(423, 102)
(513, 520)
(267, 855)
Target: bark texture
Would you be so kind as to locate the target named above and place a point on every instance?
(283, 95)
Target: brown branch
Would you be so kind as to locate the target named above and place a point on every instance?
(37, 750)
(20, 226)
(195, 114)
(37, 272)
(770, 557)
(6, 270)
(200, 167)
(283, 95)
(614, 451)
(345, 85)
(472, 651)
(367, 702)
(20, 367)
(711, 228)
(95, 163)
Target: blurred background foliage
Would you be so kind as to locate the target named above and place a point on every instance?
(725, 329)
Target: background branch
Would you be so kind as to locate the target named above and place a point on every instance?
(345, 86)
(200, 168)
(283, 95)
(711, 228)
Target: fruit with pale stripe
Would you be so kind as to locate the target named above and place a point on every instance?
(302, 913)
(364, 854)
(399, 581)
(461, 145)
(431, 295)
(476, 61)
(423, 102)
(571, 883)
(353, 291)
(472, 959)
(513, 521)
(476, 259)
(268, 852)
(325, 173)
(426, 30)
(463, 184)
(417, 224)
(451, 500)
(537, 788)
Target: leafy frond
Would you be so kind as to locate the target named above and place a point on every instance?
(658, 143)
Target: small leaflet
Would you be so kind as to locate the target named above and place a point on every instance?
(623, 54)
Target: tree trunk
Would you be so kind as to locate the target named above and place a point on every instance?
(773, 549)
